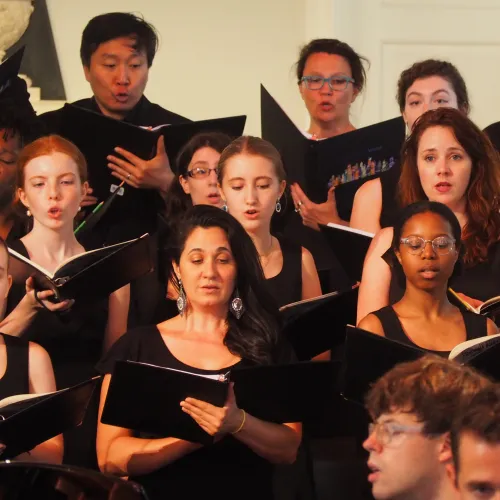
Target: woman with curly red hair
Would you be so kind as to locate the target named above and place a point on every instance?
(446, 159)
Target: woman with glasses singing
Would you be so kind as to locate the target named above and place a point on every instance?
(195, 183)
(426, 243)
(447, 159)
(330, 75)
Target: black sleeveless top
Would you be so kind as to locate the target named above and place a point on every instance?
(286, 286)
(16, 377)
(475, 327)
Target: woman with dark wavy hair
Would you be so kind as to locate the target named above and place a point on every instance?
(226, 319)
(447, 159)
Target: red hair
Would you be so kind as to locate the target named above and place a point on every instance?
(46, 146)
(482, 229)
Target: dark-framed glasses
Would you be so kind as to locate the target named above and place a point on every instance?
(338, 82)
(386, 432)
(200, 172)
(415, 245)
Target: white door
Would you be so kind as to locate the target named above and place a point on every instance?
(393, 34)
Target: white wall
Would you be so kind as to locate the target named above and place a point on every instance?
(213, 53)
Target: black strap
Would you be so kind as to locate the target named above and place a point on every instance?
(393, 329)
(16, 378)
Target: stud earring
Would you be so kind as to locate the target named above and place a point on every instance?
(181, 300)
(278, 206)
(236, 306)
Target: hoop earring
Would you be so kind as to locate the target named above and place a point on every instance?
(278, 206)
(181, 300)
(236, 305)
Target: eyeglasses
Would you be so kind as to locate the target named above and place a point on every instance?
(385, 432)
(334, 82)
(200, 172)
(442, 245)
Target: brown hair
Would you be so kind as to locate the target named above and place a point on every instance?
(481, 417)
(253, 146)
(49, 145)
(431, 387)
(432, 67)
(483, 219)
(334, 47)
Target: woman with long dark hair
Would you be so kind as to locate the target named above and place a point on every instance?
(447, 159)
(226, 319)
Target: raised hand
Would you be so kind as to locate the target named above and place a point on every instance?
(143, 174)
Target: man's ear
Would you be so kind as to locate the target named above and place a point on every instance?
(445, 454)
(86, 72)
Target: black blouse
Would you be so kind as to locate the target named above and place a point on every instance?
(225, 470)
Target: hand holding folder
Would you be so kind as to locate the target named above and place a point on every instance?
(146, 398)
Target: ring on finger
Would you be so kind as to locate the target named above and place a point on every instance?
(299, 204)
(129, 176)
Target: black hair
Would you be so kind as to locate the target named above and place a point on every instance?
(255, 335)
(422, 207)
(17, 116)
(106, 27)
(334, 47)
(177, 201)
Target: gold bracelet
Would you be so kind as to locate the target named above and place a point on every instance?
(242, 423)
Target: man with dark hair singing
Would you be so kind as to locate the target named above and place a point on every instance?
(475, 441)
(412, 408)
(117, 51)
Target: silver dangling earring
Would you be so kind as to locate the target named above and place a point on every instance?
(236, 305)
(181, 300)
(278, 206)
(224, 207)
(28, 212)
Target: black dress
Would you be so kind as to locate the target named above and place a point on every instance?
(16, 377)
(475, 327)
(481, 281)
(225, 470)
(74, 341)
(286, 286)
